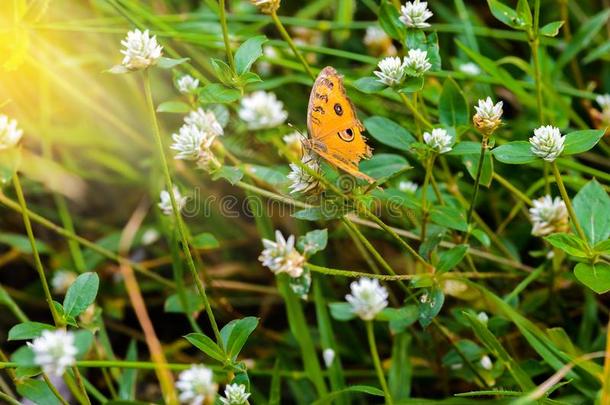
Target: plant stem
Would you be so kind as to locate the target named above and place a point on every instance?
(477, 180)
(225, 33)
(37, 262)
(414, 111)
(568, 202)
(176, 212)
(375, 355)
(424, 197)
(606, 378)
(286, 37)
(9, 399)
(516, 192)
(54, 389)
(79, 381)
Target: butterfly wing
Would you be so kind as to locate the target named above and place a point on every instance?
(334, 128)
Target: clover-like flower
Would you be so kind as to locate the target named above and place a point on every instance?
(547, 142)
(166, 203)
(439, 140)
(488, 116)
(391, 71)
(470, 68)
(367, 298)
(235, 394)
(10, 133)
(141, 50)
(414, 14)
(549, 216)
(54, 351)
(206, 121)
(187, 84)
(196, 385)
(301, 180)
(407, 186)
(281, 256)
(262, 110)
(266, 6)
(416, 62)
(189, 142)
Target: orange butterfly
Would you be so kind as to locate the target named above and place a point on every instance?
(334, 130)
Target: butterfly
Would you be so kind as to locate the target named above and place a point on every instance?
(335, 133)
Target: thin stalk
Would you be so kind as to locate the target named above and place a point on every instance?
(225, 33)
(477, 180)
(424, 196)
(37, 262)
(606, 378)
(9, 399)
(514, 190)
(414, 111)
(375, 355)
(54, 390)
(568, 202)
(176, 212)
(288, 39)
(79, 381)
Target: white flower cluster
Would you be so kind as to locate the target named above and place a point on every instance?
(196, 386)
(301, 180)
(548, 216)
(488, 115)
(235, 394)
(10, 133)
(367, 298)
(547, 142)
(54, 351)
(166, 203)
(262, 110)
(414, 14)
(141, 50)
(439, 140)
(187, 84)
(280, 256)
(392, 70)
(267, 6)
(196, 136)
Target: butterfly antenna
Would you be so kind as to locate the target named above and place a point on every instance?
(297, 130)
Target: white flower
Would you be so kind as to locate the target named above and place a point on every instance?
(196, 385)
(54, 351)
(187, 84)
(262, 110)
(62, 280)
(547, 142)
(189, 142)
(548, 216)
(367, 298)
(302, 181)
(235, 394)
(150, 236)
(407, 186)
(470, 69)
(329, 356)
(414, 14)
(482, 316)
(378, 41)
(166, 204)
(266, 6)
(439, 140)
(486, 363)
(10, 133)
(488, 115)
(206, 121)
(416, 62)
(391, 71)
(141, 50)
(281, 256)
(603, 101)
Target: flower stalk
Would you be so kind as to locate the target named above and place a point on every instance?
(225, 33)
(568, 202)
(375, 355)
(291, 44)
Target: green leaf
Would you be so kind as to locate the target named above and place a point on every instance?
(569, 243)
(602, 247)
(240, 331)
(248, 53)
(600, 52)
(232, 174)
(9, 162)
(365, 389)
(451, 258)
(390, 21)
(326, 212)
(22, 243)
(83, 340)
(275, 392)
(168, 63)
(412, 85)
(205, 240)
(482, 237)
(595, 276)
(514, 153)
(487, 170)
(431, 306)
(224, 73)
(127, 382)
(81, 294)
(177, 107)
(581, 141)
(401, 368)
(582, 38)
(592, 207)
(28, 330)
(524, 13)
(341, 311)
(389, 132)
(173, 304)
(313, 241)
(206, 345)
(453, 108)
(465, 148)
(506, 15)
(218, 93)
(551, 29)
(433, 51)
(38, 392)
(368, 85)
(415, 39)
(399, 318)
(383, 165)
(269, 175)
(449, 217)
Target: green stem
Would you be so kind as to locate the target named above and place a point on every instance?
(176, 212)
(424, 197)
(81, 386)
(568, 202)
(514, 190)
(414, 111)
(477, 179)
(225, 33)
(286, 37)
(375, 355)
(37, 262)
(54, 390)
(9, 399)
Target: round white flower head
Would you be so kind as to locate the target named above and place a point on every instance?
(54, 351)
(488, 115)
(196, 385)
(267, 6)
(391, 71)
(329, 356)
(189, 142)
(166, 204)
(604, 101)
(187, 84)
(150, 236)
(416, 62)
(301, 180)
(482, 316)
(206, 121)
(141, 50)
(548, 216)
(470, 68)
(367, 298)
(281, 256)
(10, 133)
(439, 140)
(407, 186)
(62, 280)
(235, 394)
(486, 363)
(262, 110)
(547, 142)
(414, 14)
(378, 42)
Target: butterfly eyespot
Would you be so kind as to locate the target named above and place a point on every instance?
(347, 135)
(338, 109)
